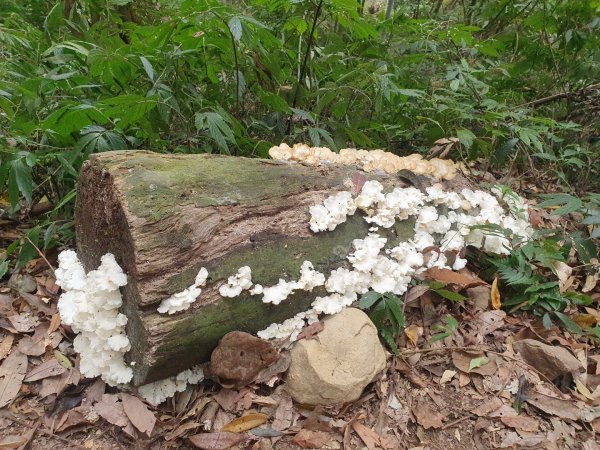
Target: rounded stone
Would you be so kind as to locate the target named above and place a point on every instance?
(335, 365)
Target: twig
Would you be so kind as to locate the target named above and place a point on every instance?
(41, 255)
(559, 96)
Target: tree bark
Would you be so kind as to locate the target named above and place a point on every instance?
(166, 216)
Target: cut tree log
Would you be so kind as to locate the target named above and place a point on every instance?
(166, 216)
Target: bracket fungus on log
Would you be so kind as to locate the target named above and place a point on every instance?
(165, 217)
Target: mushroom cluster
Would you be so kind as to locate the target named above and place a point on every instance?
(90, 304)
(443, 222)
(181, 301)
(367, 160)
(157, 392)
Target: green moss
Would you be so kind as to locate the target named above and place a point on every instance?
(156, 185)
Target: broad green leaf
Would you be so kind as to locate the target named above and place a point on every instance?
(148, 68)
(478, 362)
(368, 299)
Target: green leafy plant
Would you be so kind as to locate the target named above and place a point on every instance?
(448, 327)
(386, 312)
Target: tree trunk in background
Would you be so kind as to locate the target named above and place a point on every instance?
(166, 216)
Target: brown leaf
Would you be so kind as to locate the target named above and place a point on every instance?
(454, 280)
(496, 303)
(139, 414)
(23, 323)
(12, 373)
(56, 385)
(54, 323)
(268, 375)
(409, 373)
(565, 409)
(13, 441)
(312, 439)
(462, 361)
(35, 345)
(521, 422)
(284, 414)
(311, 331)
(47, 369)
(488, 407)
(370, 437)
(427, 417)
(181, 429)
(110, 408)
(6, 345)
(76, 416)
(489, 321)
(414, 293)
(216, 441)
(245, 423)
(358, 180)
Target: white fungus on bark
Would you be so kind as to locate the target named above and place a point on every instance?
(368, 160)
(237, 283)
(157, 392)
(452, 230)
(90, 305)
(181, 301)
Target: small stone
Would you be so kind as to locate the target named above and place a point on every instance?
(239, 358)
(550, 360)
(338, 363)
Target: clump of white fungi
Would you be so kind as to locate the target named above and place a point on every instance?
(382, 268)
(367, 160)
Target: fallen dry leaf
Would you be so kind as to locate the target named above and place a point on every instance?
(311, 331)
(488, 407)
(220, 440)
(12, 372)
(413, 333)
(410, 374)
(54, 323)
(284, 414)
(370, 437)
(23, 323)
(563, 272)
(6, 345)
(457, 281)
(34, 345)
(447, 376)
(139, 414)
(76, 416)
(13, 441)
(47, 369)
(427, 417)
(489, 321)
(245, 423)
(312, 439)
(110, 408)
(522, 423)
(495, 295)
(565, 409)
(463, 361)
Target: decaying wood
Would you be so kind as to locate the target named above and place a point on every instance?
(166, 216)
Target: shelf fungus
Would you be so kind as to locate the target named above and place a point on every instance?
(367, 160)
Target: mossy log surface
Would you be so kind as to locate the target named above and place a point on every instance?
(166, 216)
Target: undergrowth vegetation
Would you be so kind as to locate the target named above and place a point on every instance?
(515, 84)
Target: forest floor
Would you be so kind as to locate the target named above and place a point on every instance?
(470, 390)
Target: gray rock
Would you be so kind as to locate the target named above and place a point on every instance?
(550, 360)
(335, 366)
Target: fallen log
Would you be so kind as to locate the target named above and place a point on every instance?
(166, 216)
